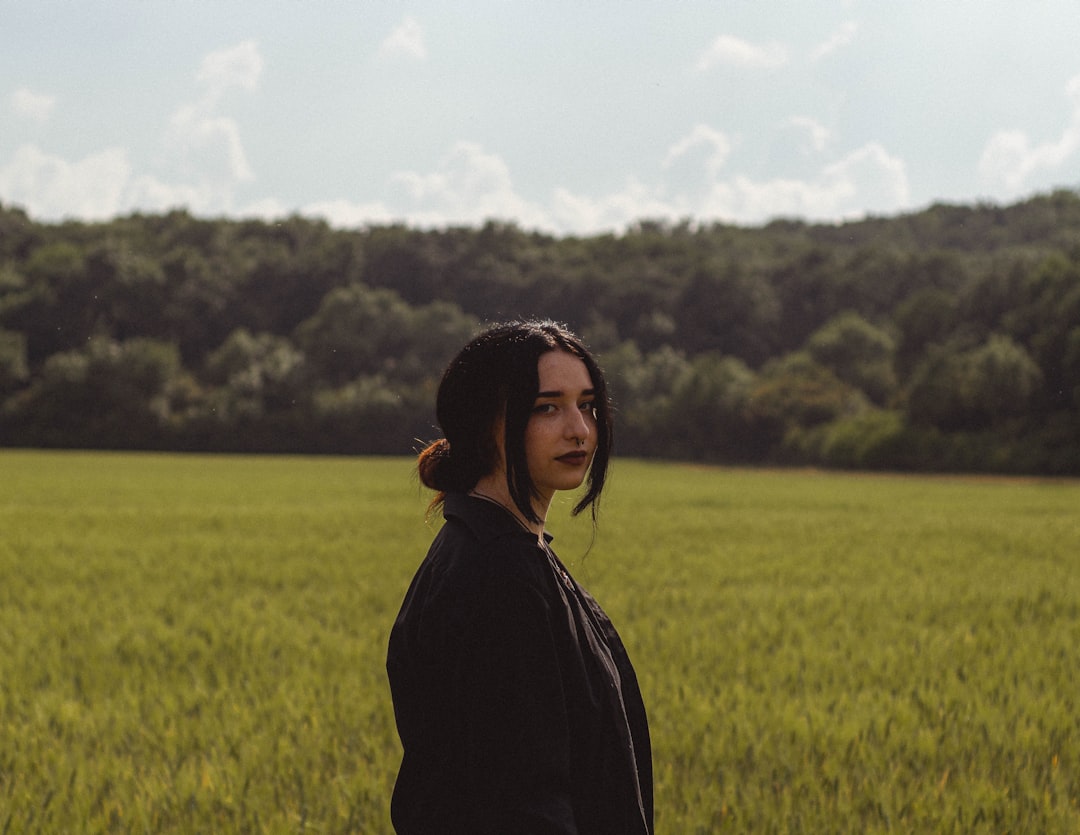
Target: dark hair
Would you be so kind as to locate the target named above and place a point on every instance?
(495, 376)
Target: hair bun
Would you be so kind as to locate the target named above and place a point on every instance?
(433, 464)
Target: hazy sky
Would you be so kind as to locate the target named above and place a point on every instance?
(571, 117)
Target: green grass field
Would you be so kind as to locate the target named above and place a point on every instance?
(196, 644)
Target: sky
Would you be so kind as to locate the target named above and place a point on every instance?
(572, 118)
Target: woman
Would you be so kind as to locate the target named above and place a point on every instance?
(518, 710)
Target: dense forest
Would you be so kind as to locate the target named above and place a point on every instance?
(946, 339)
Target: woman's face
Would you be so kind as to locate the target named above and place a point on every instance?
(560, 437)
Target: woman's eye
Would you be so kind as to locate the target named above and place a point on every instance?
(588, 407)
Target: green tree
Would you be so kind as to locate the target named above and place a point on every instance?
(13, 367)
(926, 317)
(203, 304)
(15, 295)
(437, 331)
(794, 393)
(374, 414)
(730, 311)
(255, 375)
(411, 263)
(973, 389)
(1071, 365)
(132, 296)
(356, 330)
(809, 293)
(18, 234)
(59, 313)
(1044, 321)
(359, 330)
(290, 266)
(708, 414)
(858, 353)
(105, 395)
(643, 388)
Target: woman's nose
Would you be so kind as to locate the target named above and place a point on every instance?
(577, 426)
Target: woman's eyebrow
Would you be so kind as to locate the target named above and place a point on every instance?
(553, 394)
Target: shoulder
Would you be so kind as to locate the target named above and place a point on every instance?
(490, 588)
(485, 561)
(479, 552)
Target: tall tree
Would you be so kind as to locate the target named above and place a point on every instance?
(973, 389)
(857, 352)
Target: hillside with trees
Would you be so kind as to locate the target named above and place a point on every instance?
(946, 339)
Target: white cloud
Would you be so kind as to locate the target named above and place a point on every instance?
(204, 144)
(204, 161)
(99, 186)
(730, 51)
(149, 194)
(872, 180)
(340, 213)
(837, 40)
(464, 174)
(268, 208)
(210, 145)
(816, 134)
(235, 66)
(48, 186)
(579, 214)
(470, 185)
(1011, 158)
(702, 136)
(868, 179)
(407, 41)
(346, 214)
(30, 105)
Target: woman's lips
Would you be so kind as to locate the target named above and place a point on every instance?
(577, 457)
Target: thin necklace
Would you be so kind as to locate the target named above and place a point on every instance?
(552, 559)
(495, 501)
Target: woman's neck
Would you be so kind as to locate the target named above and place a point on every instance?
(495, 489)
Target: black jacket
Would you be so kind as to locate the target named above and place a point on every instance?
(517, 707)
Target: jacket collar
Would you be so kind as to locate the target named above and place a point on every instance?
(486, 520)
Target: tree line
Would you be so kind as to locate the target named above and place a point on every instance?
(945, 339)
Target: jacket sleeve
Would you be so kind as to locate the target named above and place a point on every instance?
(509, 690)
